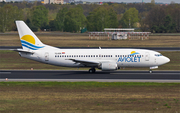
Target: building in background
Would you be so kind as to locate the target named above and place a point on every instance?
(53, 1)
(69, 1)
(58, 1)
(66, 1)
(119, 34)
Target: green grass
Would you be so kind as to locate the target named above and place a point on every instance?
(89, 97)
(85, 84)
(74, 40)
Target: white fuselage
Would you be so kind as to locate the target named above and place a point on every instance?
(122, 57)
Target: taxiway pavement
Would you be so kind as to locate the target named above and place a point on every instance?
(100, 76)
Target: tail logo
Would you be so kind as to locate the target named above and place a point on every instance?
(29, 42)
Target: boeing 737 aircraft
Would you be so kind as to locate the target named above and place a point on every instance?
(104, 59)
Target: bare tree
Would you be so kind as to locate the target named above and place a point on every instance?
(155, 17)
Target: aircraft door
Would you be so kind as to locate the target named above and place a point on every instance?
(46, 56)
(99, 57)
(147, 56)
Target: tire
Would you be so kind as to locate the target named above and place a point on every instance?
(93, 70)
(90, 71)
(150, 71)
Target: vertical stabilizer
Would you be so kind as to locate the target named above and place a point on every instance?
(28, 39)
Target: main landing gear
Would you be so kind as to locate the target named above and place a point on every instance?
(92, 70)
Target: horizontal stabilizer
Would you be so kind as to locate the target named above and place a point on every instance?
(22, 50)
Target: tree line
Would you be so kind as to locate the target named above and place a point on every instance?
(73, 18)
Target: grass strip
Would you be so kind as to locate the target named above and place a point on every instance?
(85, 84)
(84, 41)
(89, 97)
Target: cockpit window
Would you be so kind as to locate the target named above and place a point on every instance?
(158, 55)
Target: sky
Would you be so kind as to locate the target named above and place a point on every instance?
(127, 1)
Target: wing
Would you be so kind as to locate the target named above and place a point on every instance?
(86, 62)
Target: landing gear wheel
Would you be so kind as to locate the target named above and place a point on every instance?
(150, 71)
(90, 70)
(93, 70)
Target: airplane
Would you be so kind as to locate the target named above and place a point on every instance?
(104, 59)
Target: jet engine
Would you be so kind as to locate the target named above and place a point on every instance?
(108, 66)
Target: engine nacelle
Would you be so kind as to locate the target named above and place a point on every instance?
(109, 66)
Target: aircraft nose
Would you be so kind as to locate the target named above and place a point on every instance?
(166, 59)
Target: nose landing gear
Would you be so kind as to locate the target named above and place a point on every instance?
(150, 71)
